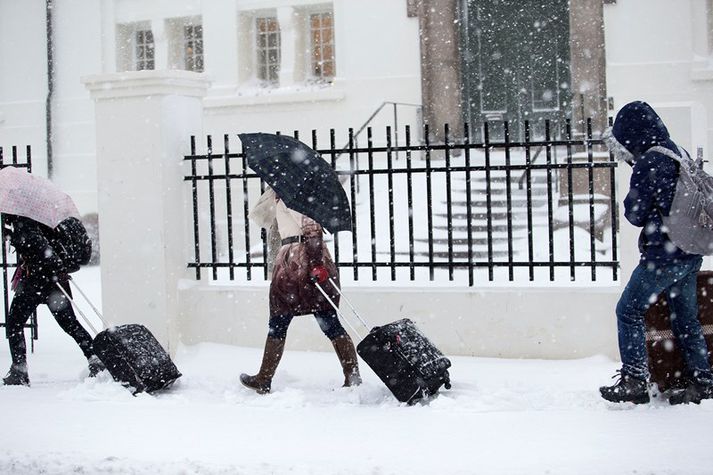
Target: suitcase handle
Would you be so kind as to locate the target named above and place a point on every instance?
(76, 307)
(331, 302)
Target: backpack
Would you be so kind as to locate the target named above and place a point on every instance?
(72, 244)
(690, 220)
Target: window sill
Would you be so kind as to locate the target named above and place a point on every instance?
(287, 95)
(702, 74)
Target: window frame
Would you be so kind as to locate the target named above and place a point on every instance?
(194, 61)
(316, 59)
(267, 72)
(139, 41)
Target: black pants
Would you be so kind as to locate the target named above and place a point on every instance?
(30, 293)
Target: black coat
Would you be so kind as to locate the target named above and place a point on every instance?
(33, 243)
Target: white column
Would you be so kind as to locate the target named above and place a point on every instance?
(160, 37)
(700, 24)
(220, 37)
(143, 123)
(288, 40)
(108, 39)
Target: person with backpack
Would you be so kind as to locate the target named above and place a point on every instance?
(640, 138)
(46, 256)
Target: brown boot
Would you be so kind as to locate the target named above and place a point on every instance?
(346, 353)
(262, 381)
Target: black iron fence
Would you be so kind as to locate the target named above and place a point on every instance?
(13, 157)
(538, 210)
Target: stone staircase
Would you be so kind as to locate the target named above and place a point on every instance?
(479, 218)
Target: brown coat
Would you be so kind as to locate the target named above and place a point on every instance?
(291, 290)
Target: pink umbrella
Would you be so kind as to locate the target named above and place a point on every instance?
(34, 197)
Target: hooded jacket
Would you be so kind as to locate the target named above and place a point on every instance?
(653, 181)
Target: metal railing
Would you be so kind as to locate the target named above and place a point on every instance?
(450, 211)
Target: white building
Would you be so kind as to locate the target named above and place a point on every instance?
(327, 65)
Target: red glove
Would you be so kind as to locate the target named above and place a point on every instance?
(319, 274)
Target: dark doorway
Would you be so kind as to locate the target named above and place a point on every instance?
(516, 65)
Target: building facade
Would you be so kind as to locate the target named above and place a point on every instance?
(273, 65)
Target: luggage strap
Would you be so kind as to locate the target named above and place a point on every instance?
(76, 307)
(341, 315)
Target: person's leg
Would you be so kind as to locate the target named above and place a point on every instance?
(344, 347)
(646, 282)
(24, 302)
(63, 313)
(272, 354)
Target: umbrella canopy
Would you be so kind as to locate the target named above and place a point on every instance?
(34, 197)
(303, 180)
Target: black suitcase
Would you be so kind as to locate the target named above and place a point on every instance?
(134, 357)
(405, 360)
(131, 353)
(401, 356)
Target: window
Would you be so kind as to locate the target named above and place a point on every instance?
(322, 46)
(144, 52)
(268, 50)
(193, 48)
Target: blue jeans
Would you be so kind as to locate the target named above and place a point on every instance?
(678, 280)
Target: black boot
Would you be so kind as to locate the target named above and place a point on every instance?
(261, 383)
(95, 366)
(344, 347)
(17, 376)
(694, 391)
(626, 389)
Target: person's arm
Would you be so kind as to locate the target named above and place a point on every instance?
(312, 233)
(640, 200)
(35, 249)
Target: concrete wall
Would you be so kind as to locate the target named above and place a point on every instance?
(512, 323)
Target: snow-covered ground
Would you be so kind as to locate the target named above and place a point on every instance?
(501, 417)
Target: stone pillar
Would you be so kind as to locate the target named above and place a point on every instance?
(143, 123)
(288, 39)
(441, 79)
(588, 65)
(160, 38)
(589, 97)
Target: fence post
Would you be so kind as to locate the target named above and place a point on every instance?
(143, 123)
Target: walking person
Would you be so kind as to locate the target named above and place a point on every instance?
(302, 261)
(40, 269)
(43, 226)
(663, 267)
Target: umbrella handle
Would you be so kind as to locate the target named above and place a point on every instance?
(76, 307)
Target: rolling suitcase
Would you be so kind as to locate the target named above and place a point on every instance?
(401, 356)
(131, 354)
(666, 363)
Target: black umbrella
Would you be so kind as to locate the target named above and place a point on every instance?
(300, 177)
